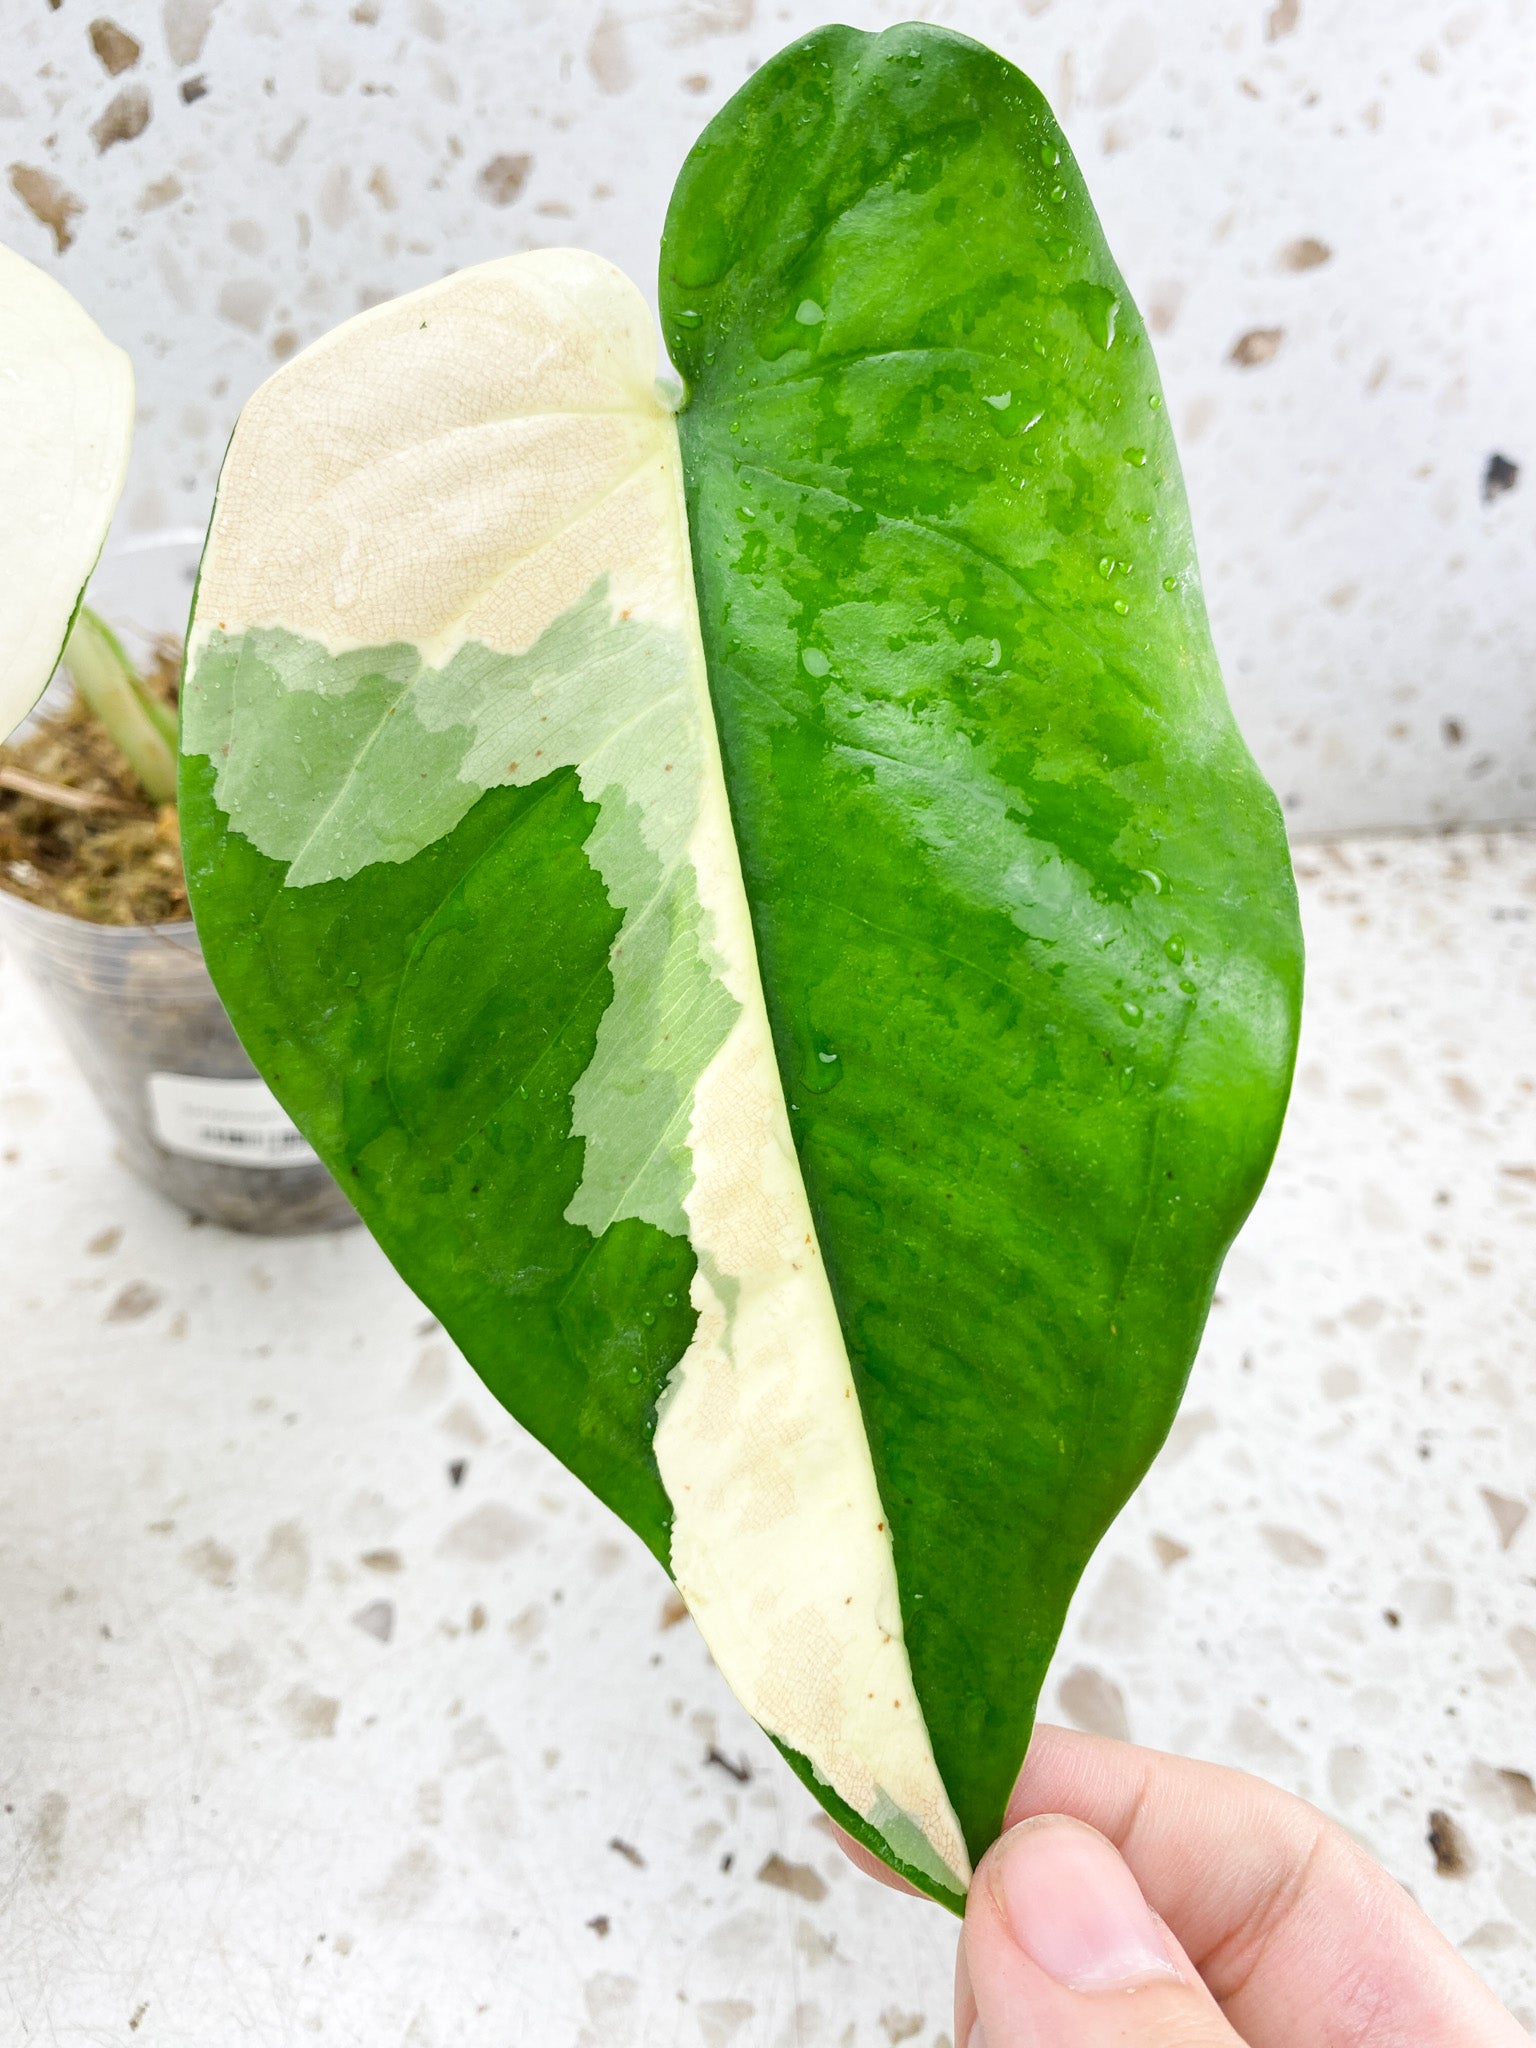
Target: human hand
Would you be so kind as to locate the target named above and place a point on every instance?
(1145, 1901)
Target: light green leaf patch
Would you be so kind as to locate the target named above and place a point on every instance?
(331, 763)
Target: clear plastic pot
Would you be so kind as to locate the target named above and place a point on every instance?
(136, 1007)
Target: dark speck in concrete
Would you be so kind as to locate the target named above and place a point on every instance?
(134, 1302)
(47, 201)
(1522, 1792)
(1499, 476)
(739, 1769)
(1509, 1516)
(126, 117)
(1449, 1845)
(1306, 253)
(503, 178)
(117, 50)
(798, 1878)
(1258, 346)
(377, 1619)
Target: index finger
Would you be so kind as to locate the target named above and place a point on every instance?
(1299, 1935)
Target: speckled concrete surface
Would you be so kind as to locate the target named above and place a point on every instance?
(1323, 207)
(333, 1709)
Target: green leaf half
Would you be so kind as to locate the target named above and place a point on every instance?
(1022, 901)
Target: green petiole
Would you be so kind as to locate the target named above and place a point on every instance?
(144, 729)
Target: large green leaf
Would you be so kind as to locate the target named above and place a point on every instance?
(1022, 901)
(827, 1149)
(66, 422)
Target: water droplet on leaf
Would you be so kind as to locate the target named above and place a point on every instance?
(822, 1074)
(821, 1069)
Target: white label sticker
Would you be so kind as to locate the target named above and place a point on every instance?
(238, 1123)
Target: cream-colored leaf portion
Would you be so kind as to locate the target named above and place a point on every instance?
(780, 1544)
(533, 466)
(461, 464)
(66, 423)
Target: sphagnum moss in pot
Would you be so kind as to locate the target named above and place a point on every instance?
(92, 900)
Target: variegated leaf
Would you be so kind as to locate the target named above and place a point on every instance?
(766, 909)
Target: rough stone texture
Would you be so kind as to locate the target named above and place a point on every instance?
(248, 1798)
(1323, 208)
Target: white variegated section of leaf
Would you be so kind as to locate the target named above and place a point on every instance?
(481, 482)
(66, 424)
(527, 463)
(780, 1543)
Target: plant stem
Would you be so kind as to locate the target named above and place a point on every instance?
(68, 799)
(110, 685)
(161, 716)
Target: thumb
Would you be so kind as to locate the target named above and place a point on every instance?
(1060, 1950)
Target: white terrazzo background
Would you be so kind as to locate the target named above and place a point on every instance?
(303, 1739)
(1323, 206)
(299, 1737)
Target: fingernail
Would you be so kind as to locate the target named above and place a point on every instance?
(1075, 1909)
(976, 2038)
